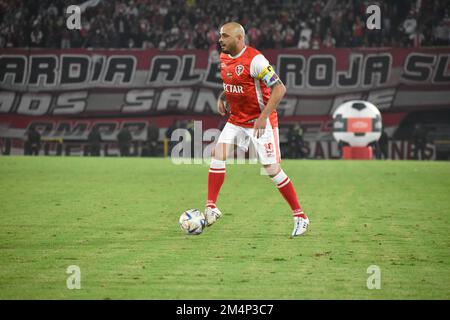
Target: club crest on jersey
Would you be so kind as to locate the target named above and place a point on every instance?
(239, 69)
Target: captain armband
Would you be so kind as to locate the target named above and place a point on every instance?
(268, 76)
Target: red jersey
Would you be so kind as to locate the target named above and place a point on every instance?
(247, 78)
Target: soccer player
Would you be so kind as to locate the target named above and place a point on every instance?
(252, 92)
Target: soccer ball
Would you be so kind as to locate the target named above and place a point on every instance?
(357, 123)
(192, 221)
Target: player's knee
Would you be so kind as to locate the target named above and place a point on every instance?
(219, 152)
(272, 169)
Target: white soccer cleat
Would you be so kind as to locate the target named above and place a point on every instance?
(212, 215)
(300, 225)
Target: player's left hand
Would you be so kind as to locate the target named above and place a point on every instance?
(259, 126)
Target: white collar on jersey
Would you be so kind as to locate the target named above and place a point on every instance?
(239, 54)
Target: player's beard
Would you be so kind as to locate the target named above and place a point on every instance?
(230, 48)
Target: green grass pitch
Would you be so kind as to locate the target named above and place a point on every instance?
(117, 219)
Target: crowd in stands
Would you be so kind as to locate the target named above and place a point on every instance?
(193, 24)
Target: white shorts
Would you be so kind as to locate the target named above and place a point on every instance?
(267, 146)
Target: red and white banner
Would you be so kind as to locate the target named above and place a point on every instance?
(150, 82)
(66, 92)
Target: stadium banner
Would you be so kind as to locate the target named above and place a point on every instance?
(68, 137)
(56, 90)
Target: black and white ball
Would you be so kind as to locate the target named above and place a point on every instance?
(357, 123)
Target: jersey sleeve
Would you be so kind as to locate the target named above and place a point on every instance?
(261, 69)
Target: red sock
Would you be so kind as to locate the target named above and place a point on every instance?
(286, 188)
(216, 176)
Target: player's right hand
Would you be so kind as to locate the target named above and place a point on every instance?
(221, 107)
